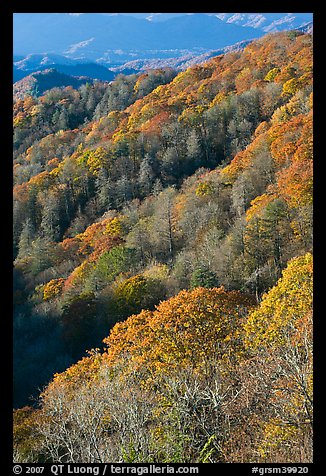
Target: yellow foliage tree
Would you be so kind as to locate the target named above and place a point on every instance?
(283, 306)
(280, 333)
(53, 288)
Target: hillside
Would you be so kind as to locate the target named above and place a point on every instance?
(37, 83)
(171, 215)
(168, 385)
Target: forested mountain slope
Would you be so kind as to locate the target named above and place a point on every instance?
(193, 190)
(37, 83)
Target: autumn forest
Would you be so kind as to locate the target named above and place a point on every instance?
(163, 263)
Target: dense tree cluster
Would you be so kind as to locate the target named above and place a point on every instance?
(208, 376)
(184, 201)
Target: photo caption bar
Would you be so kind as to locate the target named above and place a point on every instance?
(102, 469)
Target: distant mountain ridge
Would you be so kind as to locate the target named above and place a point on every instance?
(178, 63)
(63, 64)
(100, 46)
(267, 22)
(307, 28)
(98, 36)
(106, 38)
